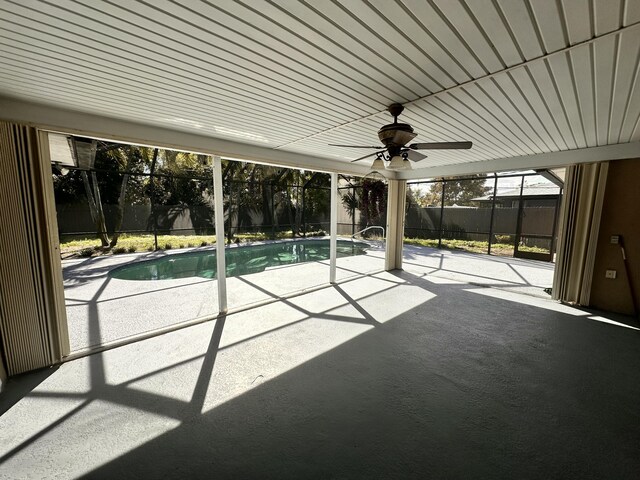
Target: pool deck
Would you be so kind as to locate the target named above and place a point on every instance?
(101, 309)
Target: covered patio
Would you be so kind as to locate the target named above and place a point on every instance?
(404, 362)
(390, 375)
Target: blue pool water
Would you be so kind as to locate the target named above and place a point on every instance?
(239, 260)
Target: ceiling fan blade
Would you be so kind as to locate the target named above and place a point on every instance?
(415, 156)
(351, 146)
(367, 156)
(441, 146)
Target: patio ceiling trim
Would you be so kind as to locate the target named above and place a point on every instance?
(78, 123)
(531, 162)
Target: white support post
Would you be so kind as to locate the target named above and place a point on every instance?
(218, 197)
(333, 242)
(396, 202)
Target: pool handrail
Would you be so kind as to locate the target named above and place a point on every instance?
(369, 228)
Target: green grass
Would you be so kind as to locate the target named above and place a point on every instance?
(87, 247)
(473, 246)
(133, 243)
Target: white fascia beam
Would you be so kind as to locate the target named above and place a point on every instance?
(529, 162)
(396, 205)
(333, 239)
(72, 122)
(221, 271)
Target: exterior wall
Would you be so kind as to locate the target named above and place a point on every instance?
(620, 216)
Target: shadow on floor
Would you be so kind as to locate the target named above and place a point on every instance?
(20, 386)
(466, 386)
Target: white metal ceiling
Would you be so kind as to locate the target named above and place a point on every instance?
(517, 77)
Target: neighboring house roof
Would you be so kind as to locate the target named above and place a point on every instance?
(528, 191)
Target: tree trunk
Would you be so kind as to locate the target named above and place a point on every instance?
(267, 212)
(289, 207)
(100, 218)
(120, 212)
(95, 206)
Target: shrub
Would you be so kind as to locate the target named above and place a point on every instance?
(131, 249)
(86, 252)
(119, 250)
(203, 244)
(190, 245)
(168, 246)
(503, 238)
(150, 248)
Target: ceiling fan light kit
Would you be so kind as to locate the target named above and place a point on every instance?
(399, 163)
(377, 165)
(395, 137)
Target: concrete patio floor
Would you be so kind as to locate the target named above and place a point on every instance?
(392, 375)
(530, 277)
(102, 309)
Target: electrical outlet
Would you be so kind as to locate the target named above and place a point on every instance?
(615, 239)
(610, 274)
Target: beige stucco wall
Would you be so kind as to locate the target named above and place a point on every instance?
(620, 216)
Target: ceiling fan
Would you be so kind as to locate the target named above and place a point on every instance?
(395, 137)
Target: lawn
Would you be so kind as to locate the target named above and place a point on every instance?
(473, 246)
(87, 247)
(127, 243)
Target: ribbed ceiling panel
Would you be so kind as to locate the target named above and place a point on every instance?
(517, 77)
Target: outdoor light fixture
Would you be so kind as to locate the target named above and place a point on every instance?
(399, 163)
(377, 165)
(396, 163)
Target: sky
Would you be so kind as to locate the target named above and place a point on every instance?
(504, 184)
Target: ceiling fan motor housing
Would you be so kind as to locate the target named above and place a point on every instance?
(390, 134)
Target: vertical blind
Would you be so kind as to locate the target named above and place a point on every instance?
(579, 226)
(32, 316)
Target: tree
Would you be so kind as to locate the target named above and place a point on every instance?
(459, 192)
(181, 182)
(115, 162)
(178, 182)
(264, 195)
(370, 198)
(426, 199)
(121, 175)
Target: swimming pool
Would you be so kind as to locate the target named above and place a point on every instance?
(239, 260)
